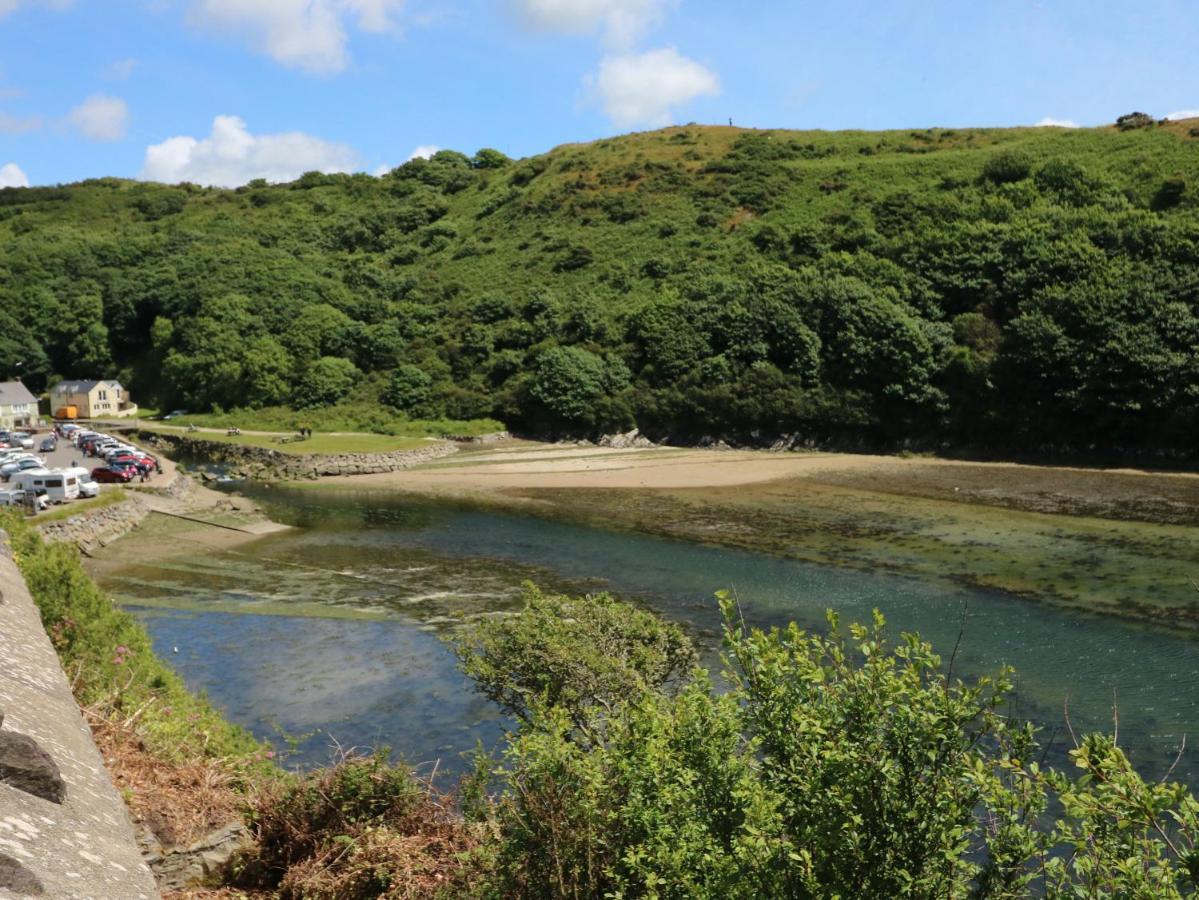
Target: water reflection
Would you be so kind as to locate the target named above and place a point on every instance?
(428, 567)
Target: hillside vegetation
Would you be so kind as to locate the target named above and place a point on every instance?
(1001, 287)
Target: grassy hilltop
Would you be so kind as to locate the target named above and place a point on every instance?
(1019, 287)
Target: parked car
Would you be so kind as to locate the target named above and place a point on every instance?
(174, 414)
(22, 439)
(109, 475)
(21, 465)
(48, 444)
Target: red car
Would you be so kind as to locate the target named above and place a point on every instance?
(106, 475)
(141, 462)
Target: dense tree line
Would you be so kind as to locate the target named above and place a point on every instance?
(1002, 287)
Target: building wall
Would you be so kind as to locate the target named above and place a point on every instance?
(15, 415)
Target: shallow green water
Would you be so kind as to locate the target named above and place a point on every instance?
(401, 573)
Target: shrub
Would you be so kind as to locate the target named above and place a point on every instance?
(359, 829)
(1007, 167)
(574, 653)
(1132, 120)
(836, 765)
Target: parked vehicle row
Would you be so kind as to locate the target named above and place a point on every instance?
(16, 440)
(122, 461)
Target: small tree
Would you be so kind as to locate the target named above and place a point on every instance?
(585, 655)
(409, 390)
(326, 381)
(1132, 120)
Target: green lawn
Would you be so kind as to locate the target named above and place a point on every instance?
(318, 443)
(365, 418)
(108, 497)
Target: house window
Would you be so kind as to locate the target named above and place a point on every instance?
(104, 395)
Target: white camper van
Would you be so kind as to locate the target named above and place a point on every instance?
(59, 486)
(87, 487)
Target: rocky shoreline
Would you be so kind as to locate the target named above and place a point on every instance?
(264, 463)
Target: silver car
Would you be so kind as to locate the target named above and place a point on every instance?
(21, 465)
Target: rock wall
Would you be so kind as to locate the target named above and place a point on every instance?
(264, 463)
(96, 528)
(64, 830)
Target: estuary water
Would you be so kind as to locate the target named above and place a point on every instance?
(336, 633)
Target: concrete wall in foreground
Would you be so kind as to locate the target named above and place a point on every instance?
(64, 830)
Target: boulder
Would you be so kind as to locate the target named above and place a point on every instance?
(27, 767)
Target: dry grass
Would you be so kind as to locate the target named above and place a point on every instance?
(179, 802)
(360, 829)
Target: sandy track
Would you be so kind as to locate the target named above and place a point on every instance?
(1108, 493)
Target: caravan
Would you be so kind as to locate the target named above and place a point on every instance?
(87, 487)
(59, 486)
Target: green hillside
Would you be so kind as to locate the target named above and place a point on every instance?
(999, 287)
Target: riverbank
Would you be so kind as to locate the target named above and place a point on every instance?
(1118, 541)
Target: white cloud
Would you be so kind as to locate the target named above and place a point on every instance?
(231, 155)
(12, 176)
(19, 125)
(10, 6)
(645, 88)
(1050, 122)
(1184, 114)
(101, 118)
(308, 34)
(121, 69)
(622, 21)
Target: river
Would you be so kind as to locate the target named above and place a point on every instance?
(335, 633)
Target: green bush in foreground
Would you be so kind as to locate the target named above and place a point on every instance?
(834, 766)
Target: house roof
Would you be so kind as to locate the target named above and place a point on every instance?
(13, 392)
(83, 387)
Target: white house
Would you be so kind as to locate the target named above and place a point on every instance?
(18, 407)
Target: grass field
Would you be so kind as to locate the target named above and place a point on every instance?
(318, 443)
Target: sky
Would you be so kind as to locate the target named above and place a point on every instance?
(223, 91)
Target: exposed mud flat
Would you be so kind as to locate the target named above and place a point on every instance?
(1121, 542)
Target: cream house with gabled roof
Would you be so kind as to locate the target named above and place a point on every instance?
(92, 399)
(18, 407)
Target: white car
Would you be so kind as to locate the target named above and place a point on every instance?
(21, 439)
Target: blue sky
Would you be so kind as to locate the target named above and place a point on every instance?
(220, 91)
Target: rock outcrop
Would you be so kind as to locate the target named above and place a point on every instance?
(96, 527)
(265, 463)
